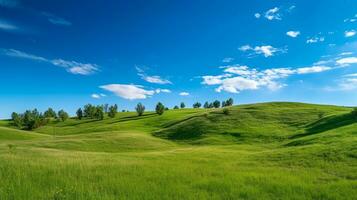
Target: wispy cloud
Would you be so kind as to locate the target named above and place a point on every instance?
(347, 61)
(345, 83)
(184, 94)
(95, 96)
(293, 34)
(266, 50)
(130, 92)
(56, 20)
(273, 14)
(152, 79)
(350, 33)
(70, 66)
(227, 60)
(236, 78)
(7, 26)
(315, 39)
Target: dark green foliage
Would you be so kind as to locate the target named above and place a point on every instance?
(223, 104)
(229, 102)
(216, 104)
(89, 111)
(167, 108)
(50, 113)
(354, 112)
(62, 115)
(32, 119)
(197, 105)
(206, 105)
(140, 109)
(210, 105)
(176, 107)
(99, 113)
(17, 119)
(113, 110)
(226, 111)
(106, 108)
(79, 113)
(160, 108)
(182, 105)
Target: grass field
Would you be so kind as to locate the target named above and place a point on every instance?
(258, 151)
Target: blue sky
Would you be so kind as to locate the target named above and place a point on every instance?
(64, 54)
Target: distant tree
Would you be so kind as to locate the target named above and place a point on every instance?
(224, 104)
(229, 102)
(182, 105)
(17, 119)
(123, 111)
(216, 104)
(99, 113)
(89, 111)
(210, 105)
(50, 113)
(197, 105)
(113, 110)
(62, 115)
(176, 107)
(226, 111)
(160, 108)
(166, 108)
(106, 108)
(79, 113)
(140, 109)
(206, 105)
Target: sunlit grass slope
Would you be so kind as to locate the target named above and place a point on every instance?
(258, 151)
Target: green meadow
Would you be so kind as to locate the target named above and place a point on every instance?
(258, 151)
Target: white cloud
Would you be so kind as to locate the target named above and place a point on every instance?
(313, 69)
(239, 78)
(227, 60)
(273, 14)
(6, 26)
(344, 84)
(102, 95)
(95, 96)
(351, 75)
(345, 53)
(293, 34)
(266, 50)
(315, 40)
(70, 66)
(257, 15)
(152, 79)
(184, 94)
(347, 61)
(350, 33)
(162, 91)
(130, 92)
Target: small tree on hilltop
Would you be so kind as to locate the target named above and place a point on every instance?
(224, 104)
(229, 102)
(113, 111)
(50, 113)
(206, 105)
(62, 115)
(160, 108)
(182, 105)
(216, 104)
(176, 107)
(140, 109)
(17, 119)
(79, 113)
(197, 105)
(354, 112)
(106, 108)
(99, 113)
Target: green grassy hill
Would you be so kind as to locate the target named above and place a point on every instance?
(258, 151)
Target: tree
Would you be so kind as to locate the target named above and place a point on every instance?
(182, 105)
(176, 107)
(89, 111)
(197, 105)
(160, 108)
(62, 115)
(17, 119)
(229, 102)
(99, 113)
(354, 112)
(113, 110)
(140, 109)
(79, 113)
(206, 105)
(216, 104)
(210, 105)
(226, 111)
(50, 113)
(33, 119)
(106, 108)
(224, 104)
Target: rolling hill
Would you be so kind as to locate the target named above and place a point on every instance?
(278, 150)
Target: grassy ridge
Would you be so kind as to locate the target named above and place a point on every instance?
(259, 151)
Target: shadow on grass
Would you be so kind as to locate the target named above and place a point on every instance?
(328, 123)
(132, 118)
